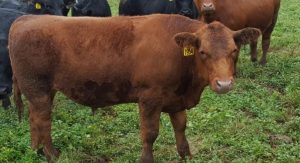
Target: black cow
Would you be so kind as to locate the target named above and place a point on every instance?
(53, 7)
(9, 11)
(99, 8)
(145, 7)
(7, 16)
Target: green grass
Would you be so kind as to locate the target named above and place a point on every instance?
(259, 121)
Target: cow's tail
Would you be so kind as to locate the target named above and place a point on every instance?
(267, 33)
(18, 99)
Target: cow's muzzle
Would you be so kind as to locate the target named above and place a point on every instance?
(208, 8)
(4, 91)
(186, 12)
(222, 86)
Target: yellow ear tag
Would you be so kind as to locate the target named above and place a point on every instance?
(188, 51)
(38, 6)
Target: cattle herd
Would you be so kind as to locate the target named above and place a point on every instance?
(162, 61)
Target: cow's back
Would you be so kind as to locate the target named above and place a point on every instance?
(79, 57)
(11, 4)
(143, 7)
(7, 16)
(255, 13)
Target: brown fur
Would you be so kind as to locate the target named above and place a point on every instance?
(261, 14)
(105, 61)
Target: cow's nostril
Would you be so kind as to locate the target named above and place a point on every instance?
(186, 12)
(218, 83)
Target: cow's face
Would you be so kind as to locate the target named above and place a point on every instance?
(52, 7)
(184, 7)
(5, 71)
(207, 7)
(215, 50)
(82, 8)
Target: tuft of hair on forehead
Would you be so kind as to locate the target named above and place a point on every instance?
(217, 34)
(216, 26)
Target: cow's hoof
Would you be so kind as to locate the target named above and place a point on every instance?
(51, 155)
(254, 59)
(6, 103)
(263, 62)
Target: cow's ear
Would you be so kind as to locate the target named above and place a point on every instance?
(185, 39)
(246, 36)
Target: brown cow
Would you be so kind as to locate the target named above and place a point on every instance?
(239, 14)
(99, 62)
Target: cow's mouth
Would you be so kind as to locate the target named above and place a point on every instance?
(208, 12)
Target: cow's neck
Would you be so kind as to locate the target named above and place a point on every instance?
(208, 18)
(195, 87)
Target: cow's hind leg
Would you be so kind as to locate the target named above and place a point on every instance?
(179, 124)
(253, 46)
(40, 109)
(149, 119)
(266, 36)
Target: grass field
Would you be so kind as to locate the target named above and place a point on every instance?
(259, 121)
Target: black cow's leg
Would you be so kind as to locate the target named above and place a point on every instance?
(40, 125)
(6, 102)
(18, 99)
(149, 119)
(253, 46)
(179, 124)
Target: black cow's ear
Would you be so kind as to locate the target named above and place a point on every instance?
(186, 39)
(246, 36)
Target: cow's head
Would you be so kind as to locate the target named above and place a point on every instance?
(90, 8)
(5, 71)
(215, 50)
(184, 7)
(52, 7)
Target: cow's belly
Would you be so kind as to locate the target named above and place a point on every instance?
(98, 94)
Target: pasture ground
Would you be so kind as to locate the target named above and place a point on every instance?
(259, 121)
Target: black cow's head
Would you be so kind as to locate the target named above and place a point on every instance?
(91, 8)
(52, 7)
(184, 7)
(5, 71)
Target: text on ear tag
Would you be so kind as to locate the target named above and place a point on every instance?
(188, 51)
(38, 6)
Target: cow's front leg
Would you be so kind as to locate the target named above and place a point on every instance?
(179, 124)
(149, 119)
(40, 125)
